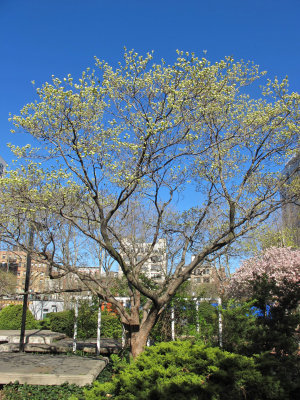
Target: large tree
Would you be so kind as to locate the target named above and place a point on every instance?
(147, 151)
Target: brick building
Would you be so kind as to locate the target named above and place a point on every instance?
(15, 262)
(208, 278)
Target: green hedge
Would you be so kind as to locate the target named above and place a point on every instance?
(87, 323)
(111, 326)
(182, 370)
(11, 317)
(62, 322)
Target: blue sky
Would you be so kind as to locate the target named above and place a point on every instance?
(39, 38)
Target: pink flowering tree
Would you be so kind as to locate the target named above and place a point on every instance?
(271, 281)
(281, 265)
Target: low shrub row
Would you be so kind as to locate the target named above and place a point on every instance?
(11, 316)
(86, 324)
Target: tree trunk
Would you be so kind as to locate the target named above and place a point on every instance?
(136, 339)
(137, 335)
(138, 342)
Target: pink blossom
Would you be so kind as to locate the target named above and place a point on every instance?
(281, 264)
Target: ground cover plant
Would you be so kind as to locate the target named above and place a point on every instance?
(16, 391)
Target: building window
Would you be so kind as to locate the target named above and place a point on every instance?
(155, 268)
(155, 259)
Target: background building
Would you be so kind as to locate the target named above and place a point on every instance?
(2, 166)
(15, 262)
(291, 211)
(9, 262)
(209, 279)
(40, 308)
(155, 267)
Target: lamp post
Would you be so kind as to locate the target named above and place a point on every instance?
(25, 297)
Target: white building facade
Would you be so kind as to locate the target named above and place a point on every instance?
(154, 266)
(3, 165)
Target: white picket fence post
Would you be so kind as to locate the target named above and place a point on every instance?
(220, 323)
(172, 323)
(99, 328)
(75, 326)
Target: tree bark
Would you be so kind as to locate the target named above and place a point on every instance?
(137, 334)
(138, 342)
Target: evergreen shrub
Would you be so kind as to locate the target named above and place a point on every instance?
(11, 317)
(88, 321)
(45, 323)
(286, 368)
(239, 327)
(183, 370)
(266, 322)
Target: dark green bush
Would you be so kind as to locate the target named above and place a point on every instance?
(208, 320)
(182, 370)
(186, 321)
(45, 323)
(62, 322)
(87, 320)
(111, 326)
(11, 317)
(279, 317)
(187, 318)
(87, 323)
(15, 391)
(267, 322)
(286, 368)
(239, 327)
